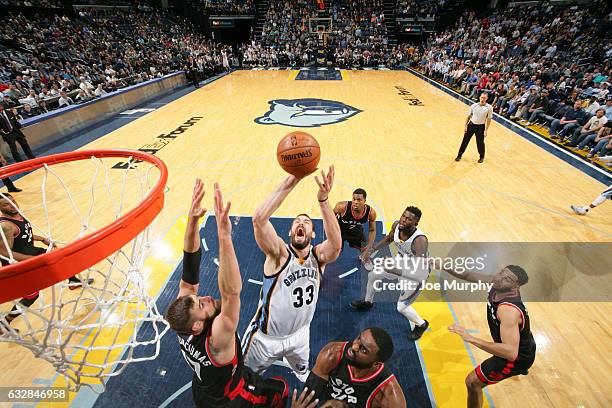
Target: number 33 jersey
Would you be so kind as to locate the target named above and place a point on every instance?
(288, 299)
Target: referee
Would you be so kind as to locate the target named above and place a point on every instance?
(477, 122)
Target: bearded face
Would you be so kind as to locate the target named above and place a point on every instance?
(301, 232)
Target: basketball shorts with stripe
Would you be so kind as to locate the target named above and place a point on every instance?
(496, 369)
(251, 390)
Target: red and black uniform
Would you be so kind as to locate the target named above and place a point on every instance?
(356, 392)
(229, 385)
(23, 242)
(496, 369)
(351, 225)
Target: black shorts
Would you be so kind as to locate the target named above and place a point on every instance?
(251, 390)
(355, 240)
(496, 369)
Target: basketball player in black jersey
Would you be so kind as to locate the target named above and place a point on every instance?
(513, 346)
(20, 240)
(351, 217)
(206, 327)
(355, 372)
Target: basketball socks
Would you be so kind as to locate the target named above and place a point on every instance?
(599, 200)
(411, 314)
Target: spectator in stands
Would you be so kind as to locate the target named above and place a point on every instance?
(82, 96)
(602, 141)
(539, 107)
(523, 108)
(100, 91)
(42, 108)
(590, 128)
(65, 100)
(570, 120)
(31, 99)
(608, 107)
(27, 111)
(8, 102)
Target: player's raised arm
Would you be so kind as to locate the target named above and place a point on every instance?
(329, 249)
(192, 254)
(469, 276)
(266, 237)
(229, 279)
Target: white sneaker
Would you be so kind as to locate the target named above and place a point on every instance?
(578, 210)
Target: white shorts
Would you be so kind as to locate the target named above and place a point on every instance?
(261, 350)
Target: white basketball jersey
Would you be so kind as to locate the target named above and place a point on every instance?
(405, 247)
(288, 299)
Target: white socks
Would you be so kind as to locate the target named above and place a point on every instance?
(410, 313)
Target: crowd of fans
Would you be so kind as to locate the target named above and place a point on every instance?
(419, 8)
(539, 65)
(51, 62)
(354, 35)
(228, 7)
(32, 3)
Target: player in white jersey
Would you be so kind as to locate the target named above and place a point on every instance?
(292, 276)
(411, 268)
(583, 210)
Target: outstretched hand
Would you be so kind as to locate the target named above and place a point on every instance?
(222, 212)
(305, 400)
(325, 185)
(461, 331)
(196, 211)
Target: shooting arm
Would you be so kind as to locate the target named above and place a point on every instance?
(265, 235)
(329, 249)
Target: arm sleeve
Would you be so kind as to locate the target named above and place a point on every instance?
(191, 266)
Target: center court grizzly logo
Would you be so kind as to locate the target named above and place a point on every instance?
(306, 112)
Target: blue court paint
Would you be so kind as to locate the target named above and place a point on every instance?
(42, 381)
(333, 321)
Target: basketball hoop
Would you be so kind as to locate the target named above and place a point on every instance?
(104, 239)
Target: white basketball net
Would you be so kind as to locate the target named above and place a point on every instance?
(91, 332)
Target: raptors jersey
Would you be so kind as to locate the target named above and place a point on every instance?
(527, 344)
(350, 224)
(23, 240)
(288, 299)
(356, 392)
(405, 247)
(211, 380)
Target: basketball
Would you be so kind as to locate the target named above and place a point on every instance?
(298, 153)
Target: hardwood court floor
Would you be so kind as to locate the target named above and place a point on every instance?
(402, 155)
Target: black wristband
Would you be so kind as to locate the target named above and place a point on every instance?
(322, 201)
(191, 266)
(318, 385)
